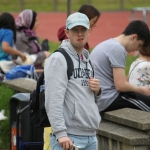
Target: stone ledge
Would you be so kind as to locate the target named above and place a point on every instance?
(24, 85)
(131, 117)
(123, 133)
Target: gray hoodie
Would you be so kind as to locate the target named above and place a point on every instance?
(70, 104)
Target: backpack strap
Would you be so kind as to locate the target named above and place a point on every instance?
(92, 67)
(39, 83)
(68, 60)
(69, 69)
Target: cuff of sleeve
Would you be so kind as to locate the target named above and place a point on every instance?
(61, 134)
(97, 97)
(99, 93)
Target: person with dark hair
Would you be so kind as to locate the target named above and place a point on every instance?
(109, 58)
(27, 40)
(139, 73)
(8, 38)
(91, 12)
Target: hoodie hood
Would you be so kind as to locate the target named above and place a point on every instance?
(72, 52)
(70, 49)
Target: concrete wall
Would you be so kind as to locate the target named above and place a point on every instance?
(124, 129)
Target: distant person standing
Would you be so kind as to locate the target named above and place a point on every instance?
(92, 13)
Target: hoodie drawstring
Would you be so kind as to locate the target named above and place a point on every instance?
(79, 70)
(79, 66)
(87, 70)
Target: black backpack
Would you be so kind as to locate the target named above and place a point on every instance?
(38, 115)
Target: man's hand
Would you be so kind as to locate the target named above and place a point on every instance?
(65, 143)
(94, 85)
(145, 90)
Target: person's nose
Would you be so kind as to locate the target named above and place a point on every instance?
(80, 32)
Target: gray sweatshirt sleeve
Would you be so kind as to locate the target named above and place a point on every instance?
(56, 80)
(97, 98)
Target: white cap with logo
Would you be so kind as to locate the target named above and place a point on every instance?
(77, 19)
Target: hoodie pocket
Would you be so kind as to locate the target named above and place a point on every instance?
(86, 115)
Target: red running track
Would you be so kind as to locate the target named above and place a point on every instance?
(110, 24)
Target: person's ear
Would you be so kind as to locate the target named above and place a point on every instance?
(89, 31)
(66, 32)
(133, 37)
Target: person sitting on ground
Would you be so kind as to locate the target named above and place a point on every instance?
(27, 40)
(8, 38)
(109, 58)
(92, 13)
(139, 73)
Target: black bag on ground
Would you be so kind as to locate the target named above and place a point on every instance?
(38, 115)
(45, 45)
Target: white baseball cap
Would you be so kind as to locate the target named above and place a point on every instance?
(77, 19)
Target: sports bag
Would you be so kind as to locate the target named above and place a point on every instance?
(20, 72)
(38, 115)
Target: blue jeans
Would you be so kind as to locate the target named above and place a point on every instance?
(85, 142)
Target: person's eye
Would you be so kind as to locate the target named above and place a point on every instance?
(74, 30)
(83, 30)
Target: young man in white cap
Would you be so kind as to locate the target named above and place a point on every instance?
(71, 104)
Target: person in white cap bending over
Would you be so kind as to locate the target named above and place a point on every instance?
(71, 104)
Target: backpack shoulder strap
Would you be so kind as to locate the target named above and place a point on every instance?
(39, 83)
(68, 60)
(92, 67)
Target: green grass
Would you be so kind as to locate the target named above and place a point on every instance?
(130, 59)
(54, 46)
(5, 95)
(48, 5)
